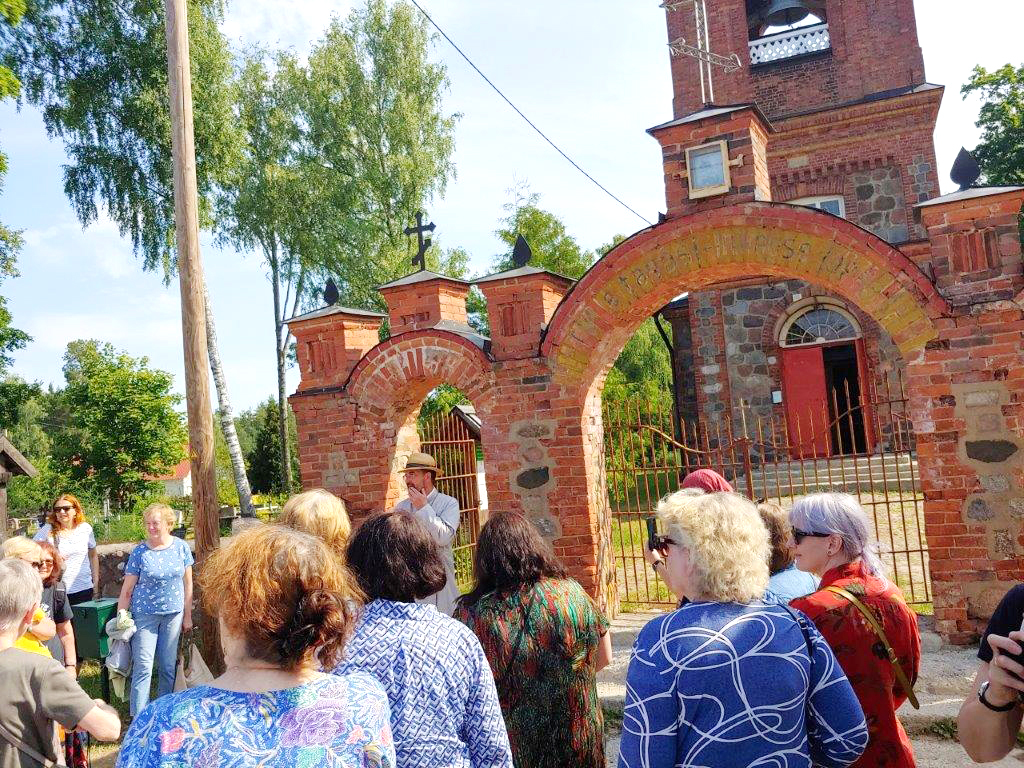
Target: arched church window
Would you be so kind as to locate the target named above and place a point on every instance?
(818, 325)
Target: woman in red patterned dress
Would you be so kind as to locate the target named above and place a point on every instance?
(832, 538)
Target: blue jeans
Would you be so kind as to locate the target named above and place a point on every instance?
(156, 638)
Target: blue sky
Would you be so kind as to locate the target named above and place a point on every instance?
(592, 73)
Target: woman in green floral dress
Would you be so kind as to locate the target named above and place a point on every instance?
(545, 640)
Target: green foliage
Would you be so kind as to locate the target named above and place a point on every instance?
(98, 72)
(227, 492)
(376, 143)
(263, 457)
(642, 371)
(1001, 119)
(441, 400)
(553, 247)
(123, 428)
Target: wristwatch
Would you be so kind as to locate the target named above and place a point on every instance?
(655, 564)
(1002, 707)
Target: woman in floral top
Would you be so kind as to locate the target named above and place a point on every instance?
(545, 641)
(832, 538)
(284, 600)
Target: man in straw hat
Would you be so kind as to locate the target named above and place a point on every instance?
(440, 513)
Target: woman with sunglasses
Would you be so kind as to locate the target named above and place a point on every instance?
(55, 605)
(696, 692)
(832, 538)
(67, 529)
(42, 628)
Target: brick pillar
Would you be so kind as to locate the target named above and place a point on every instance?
(743, 129)
(976, 250)
(520, 303)
(329, 342)
(425, 300)
(967, 402)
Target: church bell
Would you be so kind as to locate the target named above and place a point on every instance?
(783, 13)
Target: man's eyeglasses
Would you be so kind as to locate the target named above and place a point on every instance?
(799, 535)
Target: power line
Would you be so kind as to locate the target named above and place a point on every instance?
(529, 122)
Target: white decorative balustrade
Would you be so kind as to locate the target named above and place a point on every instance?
(786, 45)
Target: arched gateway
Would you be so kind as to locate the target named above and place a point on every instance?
(939, 277)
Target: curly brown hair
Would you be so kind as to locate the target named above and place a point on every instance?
(287, 593)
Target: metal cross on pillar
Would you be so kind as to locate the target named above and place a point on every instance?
(702, 50)
(421, 255)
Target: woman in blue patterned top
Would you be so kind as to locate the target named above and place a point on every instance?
(444, 706)
(157, 589)
(285, 605)
(729, 680)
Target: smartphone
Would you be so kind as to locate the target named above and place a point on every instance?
(652, 532)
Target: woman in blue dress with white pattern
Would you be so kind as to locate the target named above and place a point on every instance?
(158, 590)
(444, 706)
(729, 680)
(284, 602)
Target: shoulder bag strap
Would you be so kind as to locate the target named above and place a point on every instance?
(877, 627)
(21, 746)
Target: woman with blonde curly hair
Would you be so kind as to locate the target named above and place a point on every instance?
(696, 692)
(281, 599)
(320, 513)
(67, 529)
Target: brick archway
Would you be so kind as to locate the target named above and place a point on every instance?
(633, 281)
(648, 270)
(389, 385)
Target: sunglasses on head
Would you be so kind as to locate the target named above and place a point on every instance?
(799, 535)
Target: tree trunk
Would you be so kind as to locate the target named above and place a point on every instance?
(282, 360)
(227, 416)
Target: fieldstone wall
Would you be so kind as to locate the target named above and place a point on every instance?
(880, 203)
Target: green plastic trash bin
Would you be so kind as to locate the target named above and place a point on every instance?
(89, 622)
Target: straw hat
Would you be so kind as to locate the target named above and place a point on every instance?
(422, 461)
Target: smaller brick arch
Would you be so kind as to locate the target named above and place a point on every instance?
(388, 386)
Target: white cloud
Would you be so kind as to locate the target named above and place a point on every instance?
(65, 242)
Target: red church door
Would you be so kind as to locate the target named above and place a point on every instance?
(806, 403)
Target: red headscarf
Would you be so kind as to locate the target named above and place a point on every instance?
(707, 480)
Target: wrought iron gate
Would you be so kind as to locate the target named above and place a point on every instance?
(446, 438)
(766, 456)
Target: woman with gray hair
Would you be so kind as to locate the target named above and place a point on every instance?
(862, 615)
(35, 691)
(695, 688)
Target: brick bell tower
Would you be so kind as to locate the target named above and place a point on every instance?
(842, 87)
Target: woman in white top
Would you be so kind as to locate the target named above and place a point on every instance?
(73, 537)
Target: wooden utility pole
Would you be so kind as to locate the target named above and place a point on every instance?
(193, 308)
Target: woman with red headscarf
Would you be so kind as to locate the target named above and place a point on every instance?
(708, 481)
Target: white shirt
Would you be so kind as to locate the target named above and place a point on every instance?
(74, 546)
(441, 516)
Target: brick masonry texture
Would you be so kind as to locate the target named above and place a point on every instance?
(938, 292)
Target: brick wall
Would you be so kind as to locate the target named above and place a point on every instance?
(542, 434)
(874, 48)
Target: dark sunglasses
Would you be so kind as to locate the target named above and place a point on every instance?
(660, 542)
(799, 535)
(62, 509)
(35, 564)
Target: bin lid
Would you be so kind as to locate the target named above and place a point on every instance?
(103, 602)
